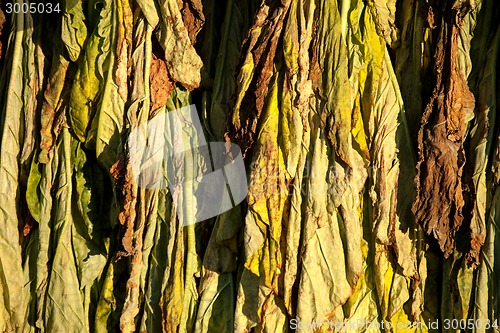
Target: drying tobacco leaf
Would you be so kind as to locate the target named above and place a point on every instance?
(193, 18)
(161, 84)
(384, 13)
(73, 28)
(259, 51)
(484, 135)
(183, 62)
(440, 203)
(50, 106)
(64, 306)
(482, 77)
(325, 99)
(413, 59)
(92, 69)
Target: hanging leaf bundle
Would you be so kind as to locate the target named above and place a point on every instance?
(369, 134)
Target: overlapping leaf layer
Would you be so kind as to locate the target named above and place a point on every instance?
(369, 133)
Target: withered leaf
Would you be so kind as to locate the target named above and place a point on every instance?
(440, 203)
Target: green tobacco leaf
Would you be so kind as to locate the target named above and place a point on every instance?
(64, 305)
(159, 244)
(93, 68)
(107, 126)
(33, 60)
(217, 298)
(90, 223)
(236, 22)
(487, 287)
(107, 302)
(172, 297)
(215, 311)
(73, 28)
(392, 223)
(295, 132)
(40, 202)
(12, 301)
(335, 98)
(412, 60)
(482, 131)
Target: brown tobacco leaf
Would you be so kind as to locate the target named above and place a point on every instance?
(127, 195)
(192, 16)
(161, 84)
(259, 51)
(52, 99)
(439, 206)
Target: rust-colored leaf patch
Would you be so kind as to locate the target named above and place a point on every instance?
(160, 82)
(127, 198)
(439, 206)
(192, 16)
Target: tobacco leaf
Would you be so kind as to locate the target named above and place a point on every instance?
(217, 283)
(158, 244)
(131, 307)
(93, 68)
(393, 243)
(41, 180)
(126, 196)
(107, 125)
(485, 140)
(267, 194)
(481, 64)
(193, 18)
(332, 224)
(256, 71)
(413, 60)
(184, 64)
(238, 19)
(136, 215)
(33, 60)
(64, 306)
(440, 203)
(161, 84)
(150, 11)
(384, 13)
(51, 105)
(74, 29)
(295, 134)
(13, 300)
